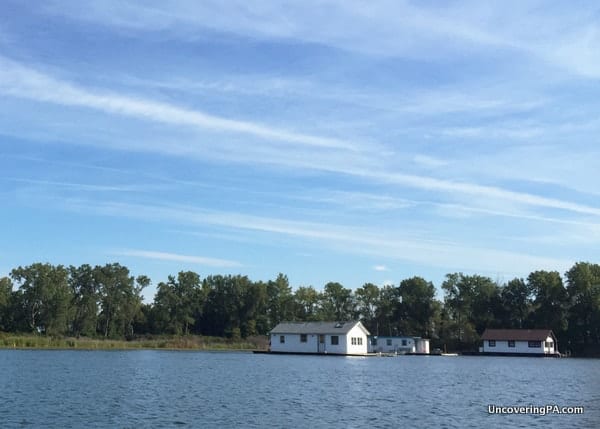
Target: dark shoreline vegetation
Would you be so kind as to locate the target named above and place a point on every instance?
(53, 306)
(162, 342)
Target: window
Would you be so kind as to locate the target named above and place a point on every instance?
(549, 344)
(373, 341)
(282, 339)
(302, 338)
(388, 342)
(359, 341)
(356, 341)
(492, 343)
(335, 340)
(511, 343)
(535, 344)
(403, 342)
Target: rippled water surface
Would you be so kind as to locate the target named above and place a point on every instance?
(138, 389)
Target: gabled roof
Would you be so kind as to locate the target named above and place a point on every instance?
(316, 328)
(517, 334)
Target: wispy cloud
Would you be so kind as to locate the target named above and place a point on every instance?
(562, 36)
(484, 191)
(21, 81)
(165, 256)
(380, 268)
(82, 186)
(355, 201)
(429, 161)
(346, 239)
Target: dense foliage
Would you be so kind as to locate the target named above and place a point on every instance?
(106, 301)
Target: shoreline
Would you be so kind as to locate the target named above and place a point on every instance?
(183, 343)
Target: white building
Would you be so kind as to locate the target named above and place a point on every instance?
(400, 345)
(337, 338)
(519, 341)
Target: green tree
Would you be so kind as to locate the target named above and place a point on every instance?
(84, 291)
(436, 321)
(471, 303)
(45, 297)
(416, 309)
(516, 304)
(338, 303)
(120, 299)
(280, 300)
(550, 303)
(583, 289)
(254, 304)
(227, 310)
(486, 306)
(306, 300)
(5, 303)
(261, 317)
(457, 302)
(386, 313)
(178, 302)
(367, 300)
(144, 322)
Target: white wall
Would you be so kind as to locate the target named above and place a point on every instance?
(356, 349)
(422, 345)
(293, 344)
(396, 345)
(520, 347)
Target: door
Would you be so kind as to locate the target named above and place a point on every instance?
(321, 343)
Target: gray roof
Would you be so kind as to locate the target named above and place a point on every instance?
(517, 334)
(316, 327)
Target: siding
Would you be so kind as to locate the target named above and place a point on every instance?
(520, 347)
(293, 344)
(396, 345)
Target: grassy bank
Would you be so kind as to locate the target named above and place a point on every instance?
(11, 341)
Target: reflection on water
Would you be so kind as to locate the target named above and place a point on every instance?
(198, 389)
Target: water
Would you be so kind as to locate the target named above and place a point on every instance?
(141, 389)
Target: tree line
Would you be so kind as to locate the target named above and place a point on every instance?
(106, 301)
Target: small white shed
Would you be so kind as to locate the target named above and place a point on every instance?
(398, 344)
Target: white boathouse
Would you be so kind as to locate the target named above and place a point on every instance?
(519, 342)
(399, 345)
(335, 338)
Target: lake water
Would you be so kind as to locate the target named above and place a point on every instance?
(140, 389)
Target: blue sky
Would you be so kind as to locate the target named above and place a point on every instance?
(330, 140)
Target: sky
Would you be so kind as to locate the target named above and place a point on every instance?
(344, 141)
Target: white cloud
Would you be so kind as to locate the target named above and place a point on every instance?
(354, 201)
(20, 81)
(429, 161)
(82, 186)
(380, 268)
(165, 256)
(346, 239)
(483, 191)
(334, 155)
(560, 35)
